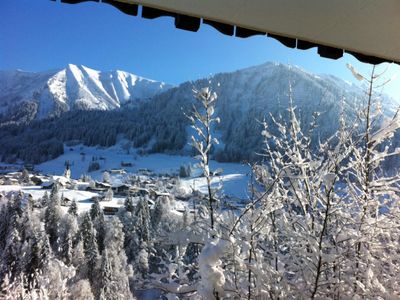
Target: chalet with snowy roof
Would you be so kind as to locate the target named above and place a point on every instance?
(163, 194)
(37, 180)
(102, 185)
(65, 201)
(63, 181)
(117, 171)
(47, 185)
(11, 181)
(121, 188)
(137, 192)
(110, 210)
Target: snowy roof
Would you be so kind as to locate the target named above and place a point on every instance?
(120, 184)
(366, 29)
(98, 183)
(121, 171)
(61, 180)
(47, 183)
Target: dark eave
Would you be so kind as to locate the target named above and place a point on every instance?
(345, 29)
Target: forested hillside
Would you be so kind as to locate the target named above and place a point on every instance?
(245, 98)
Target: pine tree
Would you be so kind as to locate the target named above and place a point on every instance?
(45, 200)
(121, 271)
(81, 290)
(67, 233)
(52, 217)
(107, 287)
(101, 227)
(38, 256)
(10, 256)
(73, 208)
(11, 212)
(55, 189)
(128, 204)
(95, 210)
(25, 177)
(79, 261)
(106, 177)
(90, 250)
(157, 213)
(143, 220)
(109, 195)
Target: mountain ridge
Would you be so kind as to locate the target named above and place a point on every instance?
(73, 87)
(245, 97)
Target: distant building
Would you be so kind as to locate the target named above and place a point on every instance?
(47, 185)
(122, 189)
(36, 180)
(110, 210)
(102, 185)
(67, 171)
(117, 171)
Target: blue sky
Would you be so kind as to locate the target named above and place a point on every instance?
(41, 34)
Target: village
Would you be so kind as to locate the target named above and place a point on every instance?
(111, 192)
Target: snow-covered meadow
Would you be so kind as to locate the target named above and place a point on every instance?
(234, 177)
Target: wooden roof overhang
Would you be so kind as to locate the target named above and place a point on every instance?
(367, 29)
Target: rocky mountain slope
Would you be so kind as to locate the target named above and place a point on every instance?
(245, 98)
(43, 94)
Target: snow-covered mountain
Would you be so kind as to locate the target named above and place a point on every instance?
(248, 96)
(74, 87)
(245, 97)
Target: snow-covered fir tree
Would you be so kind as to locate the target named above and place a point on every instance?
(322, 221)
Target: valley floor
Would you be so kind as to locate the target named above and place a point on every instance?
(233, 178)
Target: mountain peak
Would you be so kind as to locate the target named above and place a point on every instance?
(75, 86)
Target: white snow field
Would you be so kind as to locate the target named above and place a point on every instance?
(82, 197)
(234, 178)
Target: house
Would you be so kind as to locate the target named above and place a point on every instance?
(47, 185)
(9, 180)
(63, 181)
(37, 180)
(96, 189)
(102, 185)
(65, 201)
(82, 186)
(96, 198)
(151, 186)
(110, 210)
(160, 194)
(122, 189)
(117, 171)
(137, 192)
